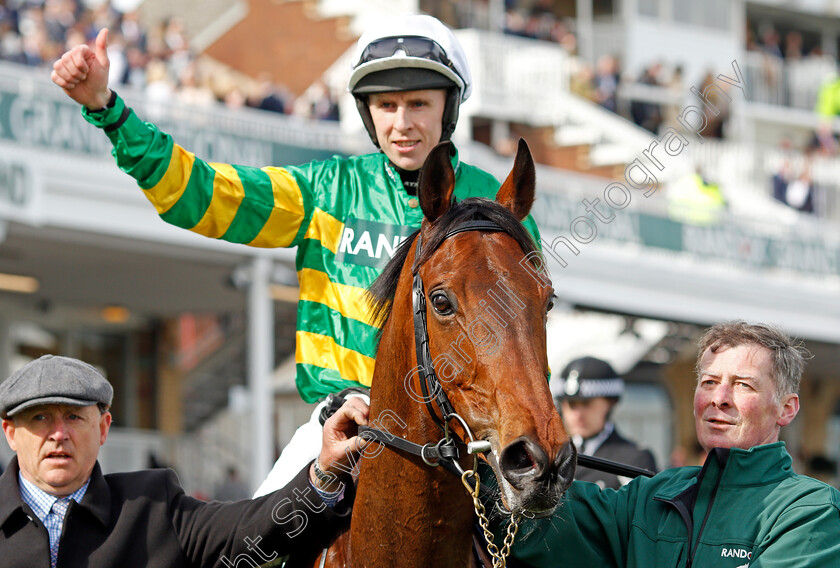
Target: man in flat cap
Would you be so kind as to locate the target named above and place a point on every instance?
(58, 509)
(586, 393)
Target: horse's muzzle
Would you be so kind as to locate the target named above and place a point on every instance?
(539, 480)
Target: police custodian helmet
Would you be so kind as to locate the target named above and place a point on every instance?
(587, 377)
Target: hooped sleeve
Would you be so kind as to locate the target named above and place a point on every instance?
(261, 207)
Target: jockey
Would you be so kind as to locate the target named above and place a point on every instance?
(345, 215)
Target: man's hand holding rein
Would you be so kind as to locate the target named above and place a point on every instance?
(340, 444)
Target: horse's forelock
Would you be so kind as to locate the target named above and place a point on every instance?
(473, 209)
(381, 293)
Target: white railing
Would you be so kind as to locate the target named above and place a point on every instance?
(749, 170)
(513, 77)
(201, 457)
(129, 449)
(525, 80)
(792, 83)
(566, 108)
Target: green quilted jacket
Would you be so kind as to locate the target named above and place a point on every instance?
(742, 509)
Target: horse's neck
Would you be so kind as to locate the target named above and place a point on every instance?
(406, 512)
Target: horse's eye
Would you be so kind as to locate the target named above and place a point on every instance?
(550, 304)
(441, 303)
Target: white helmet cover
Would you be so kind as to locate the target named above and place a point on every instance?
(420, 26)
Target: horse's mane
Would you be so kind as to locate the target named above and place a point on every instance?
(380, 295)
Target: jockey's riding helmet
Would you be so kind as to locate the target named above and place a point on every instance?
(410, 53)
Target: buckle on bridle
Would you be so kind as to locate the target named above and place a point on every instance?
(445, 449)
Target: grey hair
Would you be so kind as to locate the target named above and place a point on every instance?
(789, 355)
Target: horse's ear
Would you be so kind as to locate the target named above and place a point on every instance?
(517, 193)
(436, 183)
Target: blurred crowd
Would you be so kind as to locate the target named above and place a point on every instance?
(653, 97)
(656, 108)
(766, 39)
(539, 22)
(156, 59)
(539, 19)
(536, 19)
(792, 184)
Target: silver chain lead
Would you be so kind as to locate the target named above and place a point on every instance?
(499, 556)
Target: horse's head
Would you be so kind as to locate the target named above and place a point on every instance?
(487, 295)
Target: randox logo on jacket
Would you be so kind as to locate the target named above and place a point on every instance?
(370, 243)
(735, 553)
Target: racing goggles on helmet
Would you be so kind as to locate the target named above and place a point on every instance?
(413, 46)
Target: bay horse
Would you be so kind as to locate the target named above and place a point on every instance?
(483, 298)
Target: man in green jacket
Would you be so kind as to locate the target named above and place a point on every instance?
(346, 216)
(745, 507)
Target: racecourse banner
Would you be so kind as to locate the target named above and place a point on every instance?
(729, 240)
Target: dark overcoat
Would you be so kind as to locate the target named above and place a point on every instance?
(145, 519)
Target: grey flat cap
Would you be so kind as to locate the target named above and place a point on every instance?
(54, 380)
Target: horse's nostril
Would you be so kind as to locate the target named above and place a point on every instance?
(564, 464)
(516, 457)
(522, 460)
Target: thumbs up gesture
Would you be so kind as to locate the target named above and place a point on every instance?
(83, 73)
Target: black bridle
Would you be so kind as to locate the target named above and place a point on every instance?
(429, 382)
(445, 451)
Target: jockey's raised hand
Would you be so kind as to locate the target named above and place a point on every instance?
(83, 73)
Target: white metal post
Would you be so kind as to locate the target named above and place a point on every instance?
(496, 8)
(260, 368)
(585, 30)
(6, 349)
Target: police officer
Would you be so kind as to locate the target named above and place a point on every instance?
(586, 393)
